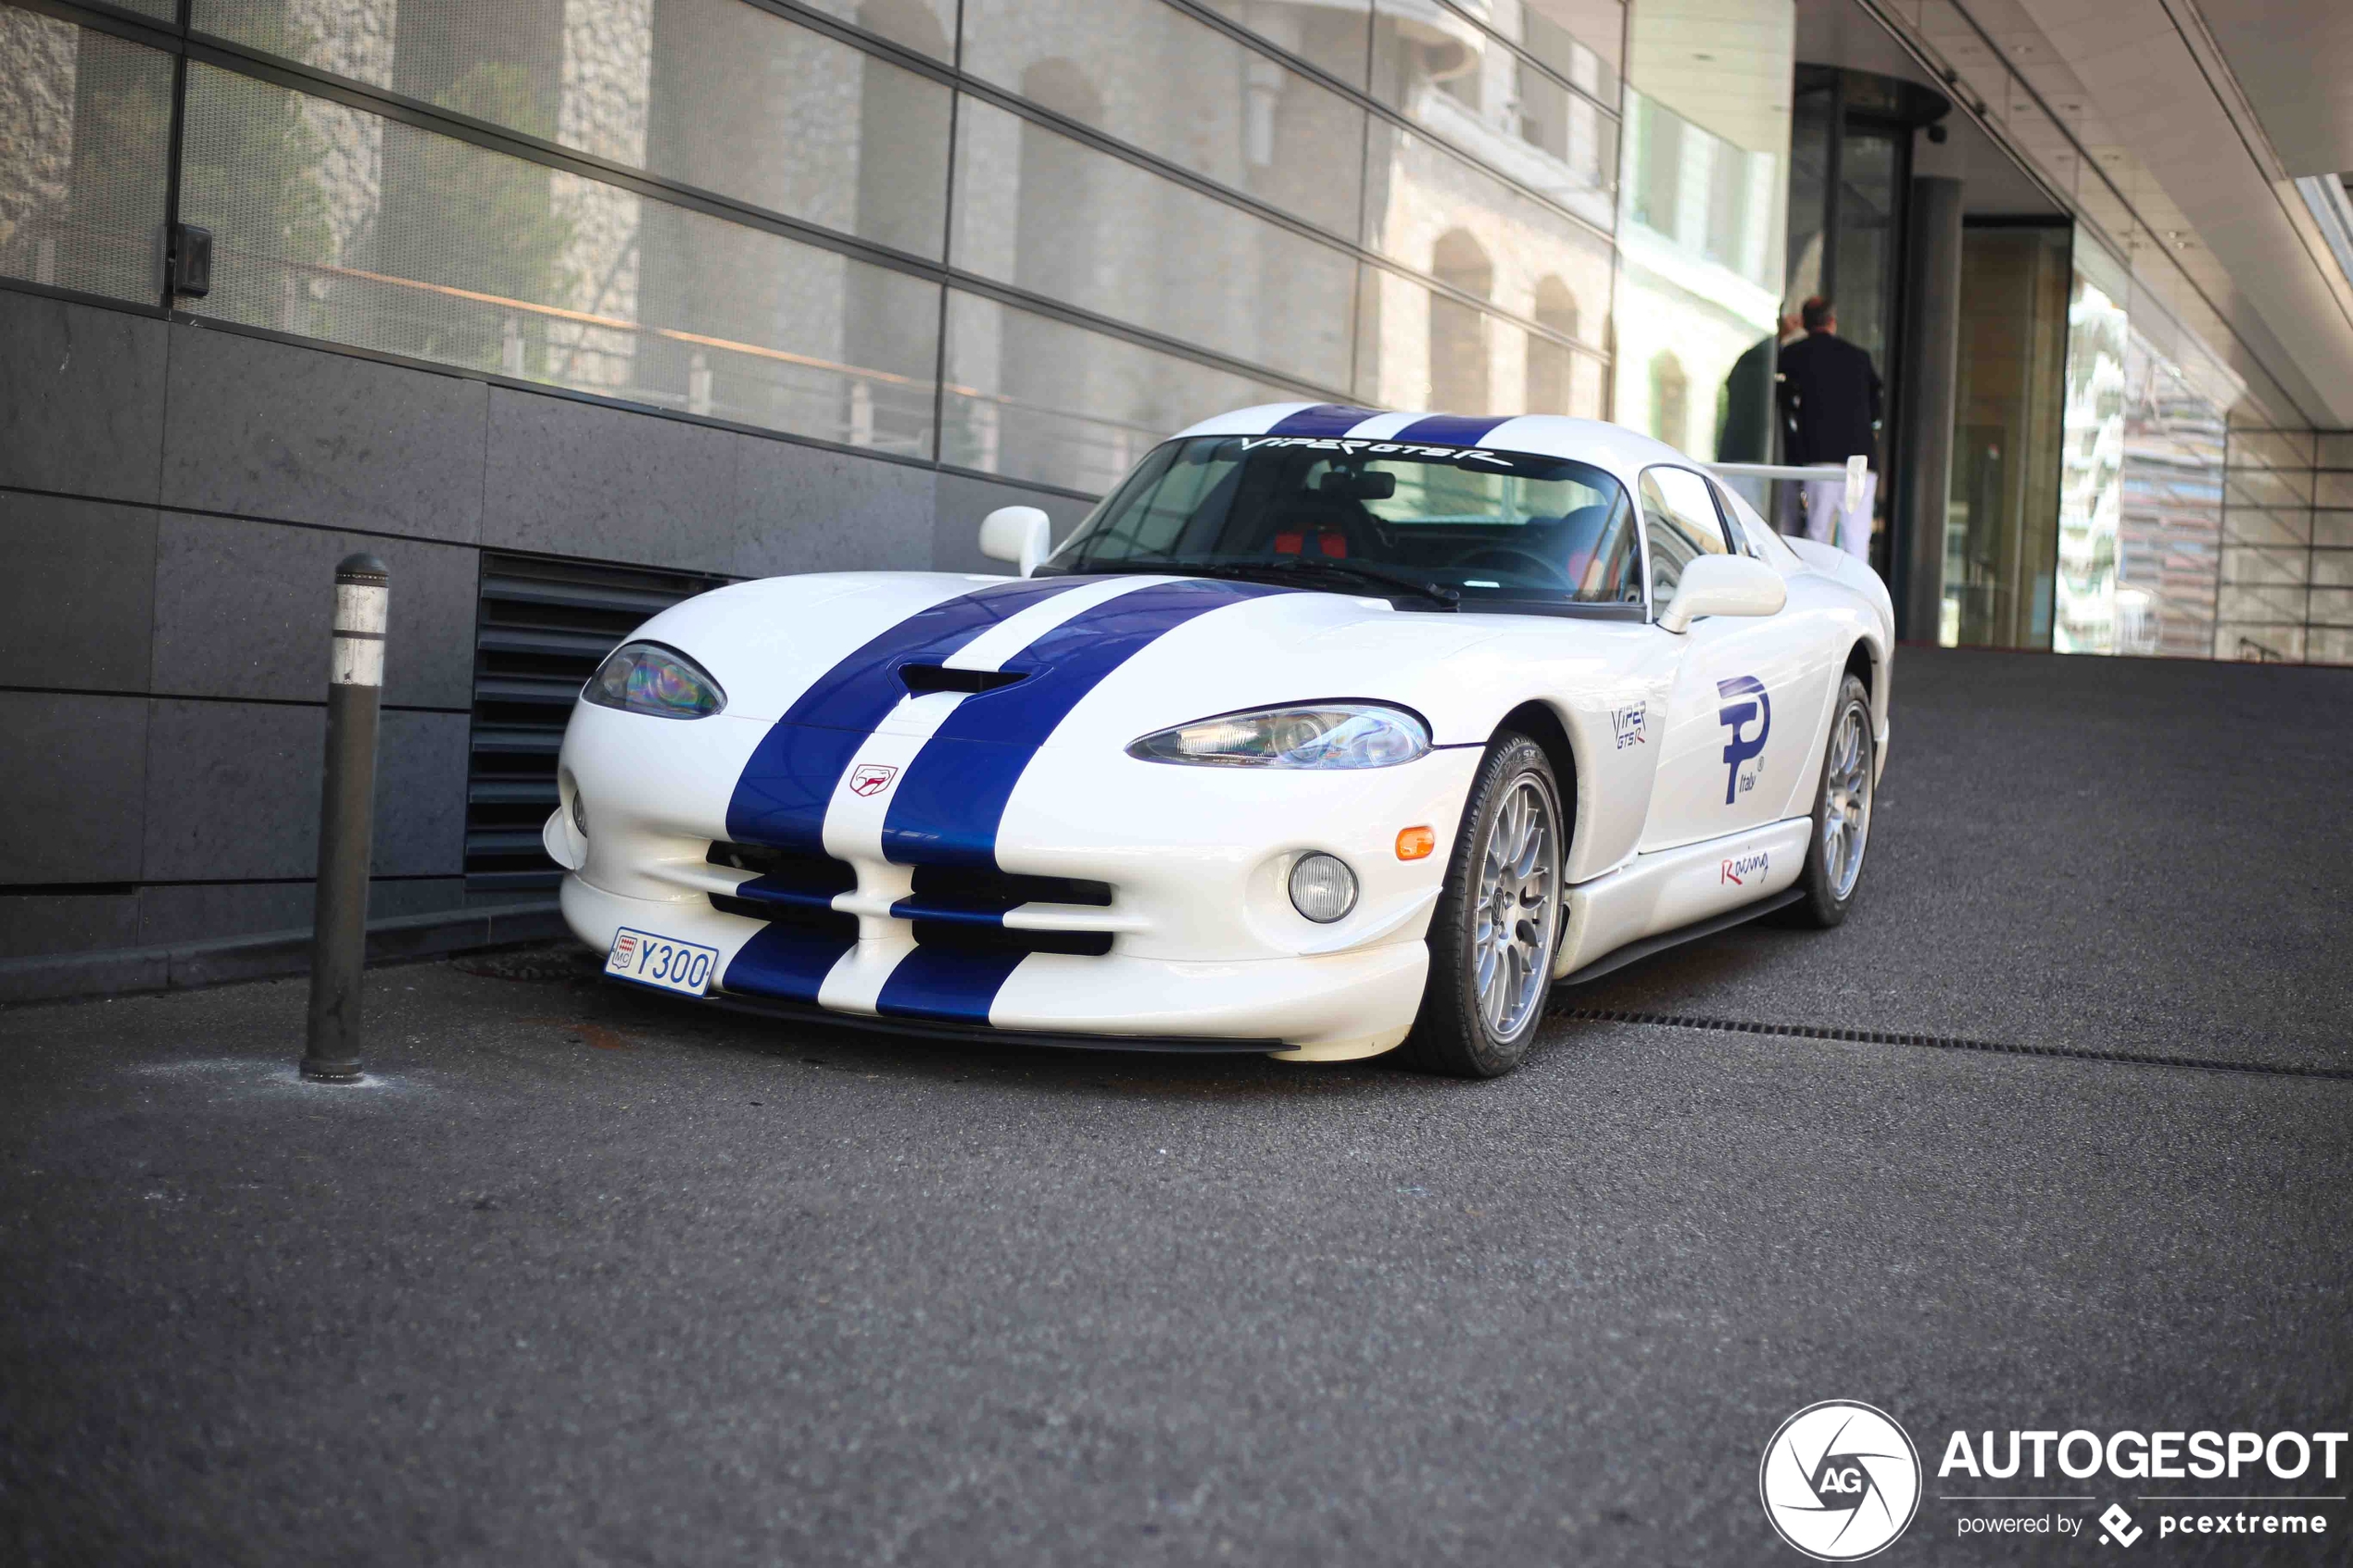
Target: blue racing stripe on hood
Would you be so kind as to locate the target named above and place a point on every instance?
(952, 795)
(1452, 430)
(1323, 419)
(781, 797)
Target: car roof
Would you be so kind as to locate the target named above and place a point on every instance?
(1624, 452)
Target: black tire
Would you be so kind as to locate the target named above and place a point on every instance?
(1821, 904)
(1452, 1035)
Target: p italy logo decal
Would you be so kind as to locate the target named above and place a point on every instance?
(1840, 1481)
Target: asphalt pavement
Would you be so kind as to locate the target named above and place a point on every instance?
(583, 1275)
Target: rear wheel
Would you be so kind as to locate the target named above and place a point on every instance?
(1497, 924)
(1841, 814)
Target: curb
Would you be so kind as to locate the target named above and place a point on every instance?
(267, 954)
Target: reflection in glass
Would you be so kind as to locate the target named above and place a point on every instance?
(336, 224)
(1328, 34)
(1031, 397)
(2092, 455)
(1701, 214)
(1051, 215)
(2001, 542)
(86, 123)
(714, 93)
(1455, 79)
(2169, 516)
(1176, 87)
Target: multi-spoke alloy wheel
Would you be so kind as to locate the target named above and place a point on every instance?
(1842, 812)
(1518, 908)
(1498, 920)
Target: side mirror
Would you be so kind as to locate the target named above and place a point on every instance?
(1023, 535)
(1723, 585)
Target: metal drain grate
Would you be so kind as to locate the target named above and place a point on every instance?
(541, 628)
(1947, 1043)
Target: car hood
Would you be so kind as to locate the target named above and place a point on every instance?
(1099, 659)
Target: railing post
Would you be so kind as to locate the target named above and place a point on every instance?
(347, 821)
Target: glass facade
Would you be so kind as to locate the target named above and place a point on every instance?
(1027, 238)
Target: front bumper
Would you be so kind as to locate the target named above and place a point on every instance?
(1328, 1007)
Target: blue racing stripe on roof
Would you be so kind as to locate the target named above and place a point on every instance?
(946, 983)
(952, 797)
(1323, 419)
(1452, 430)
(781, 797)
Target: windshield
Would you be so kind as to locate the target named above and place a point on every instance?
(1499, 526)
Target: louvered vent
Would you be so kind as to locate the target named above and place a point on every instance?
(541, 629)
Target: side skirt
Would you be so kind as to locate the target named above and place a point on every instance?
(1635, 951)
(1671, 890)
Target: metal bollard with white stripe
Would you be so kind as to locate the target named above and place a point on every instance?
(346, 819)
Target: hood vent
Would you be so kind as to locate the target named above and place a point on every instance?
(924, 678)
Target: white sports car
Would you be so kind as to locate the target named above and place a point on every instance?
(1329, 731)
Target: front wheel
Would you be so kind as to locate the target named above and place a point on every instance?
(1498, 920)
(1841, 814)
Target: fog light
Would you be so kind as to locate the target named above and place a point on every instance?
(1322, 888)
(579, 814)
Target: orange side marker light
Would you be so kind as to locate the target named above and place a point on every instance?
(1415, 844)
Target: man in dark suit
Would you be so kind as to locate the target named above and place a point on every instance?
(1829, 396)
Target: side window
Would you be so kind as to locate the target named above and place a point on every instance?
(1679, 522)
(1735, 524)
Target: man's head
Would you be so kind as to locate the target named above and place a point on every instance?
(1819, 315)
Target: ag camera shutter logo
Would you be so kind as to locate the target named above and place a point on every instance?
(1840, 1481)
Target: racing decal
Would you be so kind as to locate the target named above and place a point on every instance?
(946, 808)
(1365, 447)
(1739, 749)
(946, 984)
(788, 961)
(1457, 429)
(1322, 418)
(1626, 723)
(782, 795)
(871, 778)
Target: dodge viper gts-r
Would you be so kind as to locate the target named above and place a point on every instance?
(1331, 731)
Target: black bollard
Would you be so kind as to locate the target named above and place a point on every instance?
(347, 821)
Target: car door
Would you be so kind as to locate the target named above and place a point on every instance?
(1739, 713)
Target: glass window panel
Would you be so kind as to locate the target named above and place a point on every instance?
(928, 27)
(1031, 397)
(2171, 512)
(1416, 349)
(1457, 81)
(85, 137)
(2252, 565)
(2267, 487)
(2257, 641)
(2336, 450)
(1154, 77)
(2332, 489)
(1583, 40)
(1048, 214)
(1425, 205)
(2090, 453)
(339, 225)
(714, 93)
(2270, 449)
(2261, 604)
(2333, 529)
(2326, 645)
(2333, 568)
(2254, 525)
(1329, 34)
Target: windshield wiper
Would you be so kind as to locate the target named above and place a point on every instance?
(1277, 565)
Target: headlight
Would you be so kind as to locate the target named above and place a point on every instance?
(1339, 734)
(648, 678)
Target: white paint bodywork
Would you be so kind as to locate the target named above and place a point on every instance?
(1204, 940)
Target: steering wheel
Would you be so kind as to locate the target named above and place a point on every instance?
(1517, 560)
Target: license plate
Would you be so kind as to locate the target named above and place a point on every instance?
(657, 961)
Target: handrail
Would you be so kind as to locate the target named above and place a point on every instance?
(1856, 468)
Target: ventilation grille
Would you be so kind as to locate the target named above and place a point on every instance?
(541, 629)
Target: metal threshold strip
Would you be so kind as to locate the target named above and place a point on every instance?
(1948, 1043)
